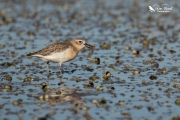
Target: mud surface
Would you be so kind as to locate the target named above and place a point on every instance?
(133, 72)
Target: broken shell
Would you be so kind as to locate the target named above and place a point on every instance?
(145, 44)
(144, 83)
(8, 87)
(155, 64)
(151, 60)
(102, 101)
(176, 85)
(119, 61)
(124, 112)
(112, 88)
(135, 72)
(39, 104)
(97, 60)
(105, 46)
(136, 52)
(175, 118)
(99, 88)
(92, 78)
(177, 102)
(108, 74)
(15, 103)
(164, 71)
(122, 103)
(2, 46)
(8, 78)
(153, 77)
(127, 48)
(89, 85)
(43, 84)
(28, 79)
(138, 106)
(95, 102)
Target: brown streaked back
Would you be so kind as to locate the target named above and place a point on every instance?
(56, 47)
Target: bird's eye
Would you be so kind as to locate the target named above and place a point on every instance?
(80, 42)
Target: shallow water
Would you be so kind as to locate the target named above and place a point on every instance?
(139, 48)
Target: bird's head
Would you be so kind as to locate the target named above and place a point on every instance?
(80, 43)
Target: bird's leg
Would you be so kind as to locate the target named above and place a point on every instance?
(60, 68)
(60, 76)
(47, 64)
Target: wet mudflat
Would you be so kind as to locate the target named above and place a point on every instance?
(133, 72)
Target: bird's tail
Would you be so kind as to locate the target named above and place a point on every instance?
(30, 54)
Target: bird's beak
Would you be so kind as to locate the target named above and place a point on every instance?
(88, 46)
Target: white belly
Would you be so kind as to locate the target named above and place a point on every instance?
(59, 57)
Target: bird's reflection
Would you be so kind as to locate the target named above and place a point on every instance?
(59, 75)
(60, 95)
(55, 96)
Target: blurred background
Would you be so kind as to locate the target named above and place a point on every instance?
(132, 73)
